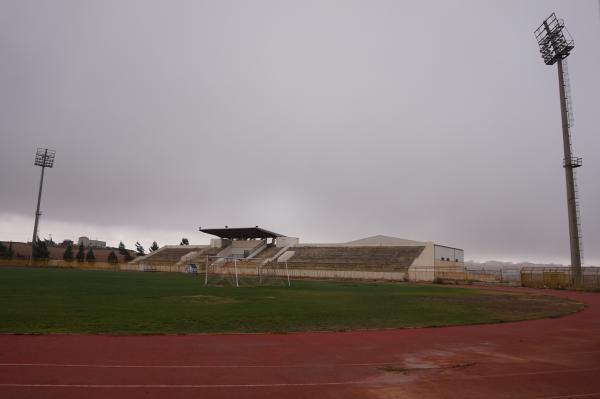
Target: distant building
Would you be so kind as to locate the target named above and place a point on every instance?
(87, 243)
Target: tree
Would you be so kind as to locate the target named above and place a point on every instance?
(127, 257)
(154, 246)
(139, 249)
(3, 250)
(184, 241)
(112, 257)
(90, 257)
(40, 249)
(68, 255)
(80, 253)
(10, 252)
(125, 252)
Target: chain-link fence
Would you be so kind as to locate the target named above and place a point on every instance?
(560, 278)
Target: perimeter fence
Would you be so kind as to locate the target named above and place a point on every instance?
(534, 277)
(560, 278)
(498, 275)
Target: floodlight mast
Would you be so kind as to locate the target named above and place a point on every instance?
(555, 45)
(44, 158)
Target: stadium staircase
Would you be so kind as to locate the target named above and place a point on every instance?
(243, 249)
(263, 256)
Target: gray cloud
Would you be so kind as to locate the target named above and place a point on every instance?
(326, 120)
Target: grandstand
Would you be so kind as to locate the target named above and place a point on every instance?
(175, 255)
(376, 257)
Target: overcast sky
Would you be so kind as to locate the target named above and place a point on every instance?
(325, 120)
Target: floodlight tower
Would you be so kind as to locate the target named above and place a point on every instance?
(555, 45)
(44, 158)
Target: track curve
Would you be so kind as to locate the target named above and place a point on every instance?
(550, 358)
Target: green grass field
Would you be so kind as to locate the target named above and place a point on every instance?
(83, 301)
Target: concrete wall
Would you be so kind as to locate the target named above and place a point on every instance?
(422, 267)
(286, 241)
(415, 274)
(426, 257)
(281, 270)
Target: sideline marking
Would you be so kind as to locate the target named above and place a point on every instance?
(461, 377)
(200, 366)
(577, 395)
(466, 377)
(299, 384)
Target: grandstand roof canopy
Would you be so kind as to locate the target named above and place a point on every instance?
(241, 233)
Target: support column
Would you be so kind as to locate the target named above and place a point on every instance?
(37, 214)
(569, 176)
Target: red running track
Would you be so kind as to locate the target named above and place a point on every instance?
(552, 358)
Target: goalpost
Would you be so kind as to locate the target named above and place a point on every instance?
(240, 272)
(274, 271)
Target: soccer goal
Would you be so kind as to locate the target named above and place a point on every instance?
(240, 272)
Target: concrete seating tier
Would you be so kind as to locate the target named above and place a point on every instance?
(211, 252)
(169, 255)
(382, 258)
(201, 256)
(268, 252)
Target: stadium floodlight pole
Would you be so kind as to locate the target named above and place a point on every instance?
(44, 158)
(555, 45)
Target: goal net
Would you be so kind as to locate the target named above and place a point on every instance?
(240, 272)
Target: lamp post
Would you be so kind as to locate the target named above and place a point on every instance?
(555, 45)
(44, 158)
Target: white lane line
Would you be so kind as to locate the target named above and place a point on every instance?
(219, 366)
(119, 366)
(577, 395)
(470, 377)
(299, 384)
(200, 366)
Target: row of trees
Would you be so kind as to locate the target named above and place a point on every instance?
(81, 256)
(40, 251)
(90, 257)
